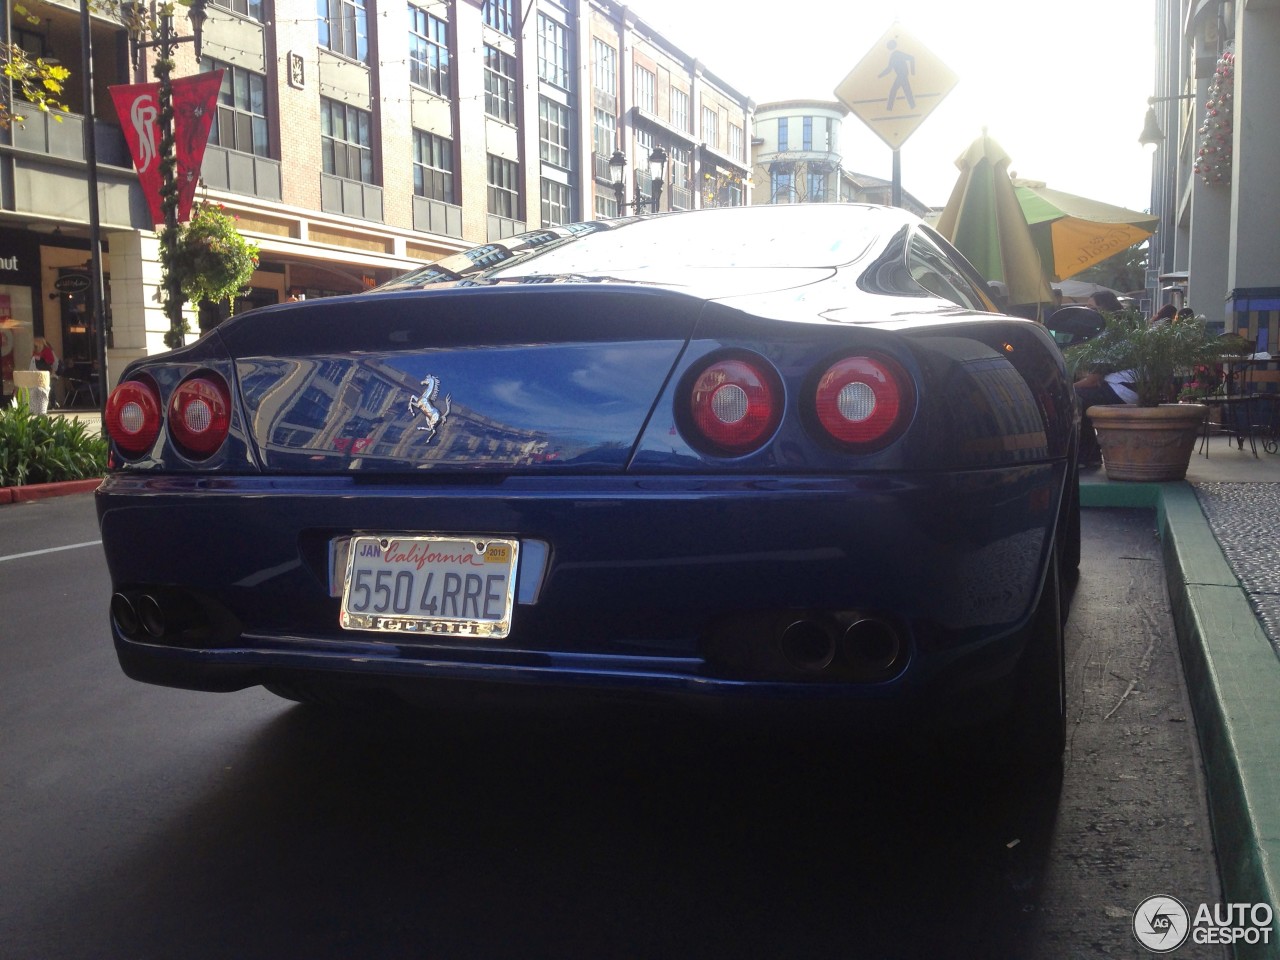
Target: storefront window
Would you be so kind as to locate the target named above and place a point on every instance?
(16, 334)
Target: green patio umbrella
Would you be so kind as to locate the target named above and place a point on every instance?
(984, 221)
(1073, 233)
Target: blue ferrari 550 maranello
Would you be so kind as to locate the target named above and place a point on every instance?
(787, 455)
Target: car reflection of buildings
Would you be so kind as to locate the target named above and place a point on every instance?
(332, 409)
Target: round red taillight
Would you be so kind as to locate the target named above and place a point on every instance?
(200, 414)
(735, 405)
(133, 417)
(864, 402)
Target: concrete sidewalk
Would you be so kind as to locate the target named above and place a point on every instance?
(1222, 563)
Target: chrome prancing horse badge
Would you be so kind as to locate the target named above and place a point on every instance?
(425, 404)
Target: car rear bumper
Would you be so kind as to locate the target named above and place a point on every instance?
(674, 587)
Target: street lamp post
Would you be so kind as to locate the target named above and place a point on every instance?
(166, 42)
(657, 177)
(97, 288)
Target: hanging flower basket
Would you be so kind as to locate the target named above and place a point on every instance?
(211, 260)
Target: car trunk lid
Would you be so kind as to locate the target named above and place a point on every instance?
(495, 379)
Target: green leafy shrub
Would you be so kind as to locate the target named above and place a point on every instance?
(40, 449)
(1155, 355)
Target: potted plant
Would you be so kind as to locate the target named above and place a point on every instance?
(1152, 439)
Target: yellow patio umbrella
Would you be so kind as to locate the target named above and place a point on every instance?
(984, 221)
(1073, 233)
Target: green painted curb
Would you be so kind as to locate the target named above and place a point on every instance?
(1233, 677)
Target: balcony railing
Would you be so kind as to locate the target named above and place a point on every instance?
(242, 173)
(58, 134)
(350, 198)
(435, 216)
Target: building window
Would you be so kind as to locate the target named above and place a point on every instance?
(553, 52)
(647, 91)
(504, 188)
(735, 141)
(711, 128)
(497, 14)
(554, 132)
(781, 186)
(432, 166)
(346, 138)
(606, 206)
(557, 204)
(344, 28)
(783, 137)
(428, 51)
(246, 8)
(680, 159)
(816, 191)
(605, 64)
(680, 110)
(806, 136)
(499, 84)
(240, 122)
(605, 133)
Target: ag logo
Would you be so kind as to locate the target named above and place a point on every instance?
(1161, 924)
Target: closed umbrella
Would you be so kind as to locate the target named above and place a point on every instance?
(984, 221)
(1073, 233)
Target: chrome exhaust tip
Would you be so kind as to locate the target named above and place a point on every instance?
(871, 647)
(808, 646)
(125, 615)
(152, 617)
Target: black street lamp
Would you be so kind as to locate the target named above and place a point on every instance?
(657, 177)
(1152, 136)
(97, 286)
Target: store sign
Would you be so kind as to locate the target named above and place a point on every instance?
(72, 283)
(8, 263)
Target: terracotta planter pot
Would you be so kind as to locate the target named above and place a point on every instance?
(1147, 443)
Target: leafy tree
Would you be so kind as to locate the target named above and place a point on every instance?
(33, 79)
(1125, 271)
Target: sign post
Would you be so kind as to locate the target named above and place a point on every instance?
(893, 88)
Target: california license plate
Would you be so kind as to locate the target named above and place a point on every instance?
(439, 586)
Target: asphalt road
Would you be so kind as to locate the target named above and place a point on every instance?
(140, 823)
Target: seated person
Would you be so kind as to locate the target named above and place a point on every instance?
(1099, 389)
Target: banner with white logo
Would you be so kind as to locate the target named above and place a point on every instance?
(138, 105)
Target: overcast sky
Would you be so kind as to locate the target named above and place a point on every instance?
(1061, 87)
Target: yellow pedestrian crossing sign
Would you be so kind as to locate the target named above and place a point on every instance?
(895, 86)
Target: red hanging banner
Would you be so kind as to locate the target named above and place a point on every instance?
(195, 99)
(138, 105)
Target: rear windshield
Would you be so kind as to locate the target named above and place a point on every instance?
(810, 235)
